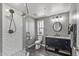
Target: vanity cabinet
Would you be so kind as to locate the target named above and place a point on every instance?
(58, 44)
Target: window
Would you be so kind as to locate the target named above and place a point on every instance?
(40, 27)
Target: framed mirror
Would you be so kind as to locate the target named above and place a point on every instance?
(57, 26)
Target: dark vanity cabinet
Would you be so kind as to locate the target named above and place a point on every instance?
(58, 44)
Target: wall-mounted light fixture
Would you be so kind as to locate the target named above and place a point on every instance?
(57, 19)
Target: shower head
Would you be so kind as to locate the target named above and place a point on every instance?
(11, 11)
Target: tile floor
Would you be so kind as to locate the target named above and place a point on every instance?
(33, 52)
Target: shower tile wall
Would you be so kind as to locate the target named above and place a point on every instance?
(12, 43)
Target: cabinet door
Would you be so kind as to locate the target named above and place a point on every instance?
(64, 44)
(52, 42)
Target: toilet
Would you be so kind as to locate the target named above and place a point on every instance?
(38, 42)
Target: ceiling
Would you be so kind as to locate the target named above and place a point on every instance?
(37, 10)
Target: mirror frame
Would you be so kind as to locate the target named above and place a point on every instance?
(59, 25)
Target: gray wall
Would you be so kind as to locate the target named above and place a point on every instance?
(48, 23)
(0, 29)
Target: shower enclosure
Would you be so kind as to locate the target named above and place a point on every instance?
(28, 32)
(28, 29)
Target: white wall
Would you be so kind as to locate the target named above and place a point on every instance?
(12, 43)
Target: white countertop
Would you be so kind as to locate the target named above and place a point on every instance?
(59, 37)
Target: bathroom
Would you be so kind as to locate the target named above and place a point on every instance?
(39, 29)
